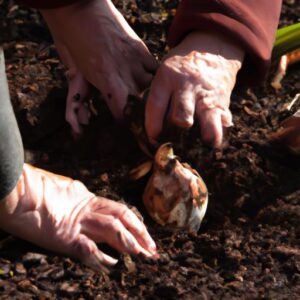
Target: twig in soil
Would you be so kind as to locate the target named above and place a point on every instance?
(284, 62)
(295, 99)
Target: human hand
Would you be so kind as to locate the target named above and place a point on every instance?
(195, 80)
(60, 214)
(99, 47)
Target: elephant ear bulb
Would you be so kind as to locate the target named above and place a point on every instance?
(175, 194)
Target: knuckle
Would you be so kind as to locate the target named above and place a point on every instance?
(182, 121)
(125, 212)
(123, 207)
(183, 115)
(81, 247)
(116, 225)
(71, 74)
(166, 68)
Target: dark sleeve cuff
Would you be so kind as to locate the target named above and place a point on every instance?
(250, 23)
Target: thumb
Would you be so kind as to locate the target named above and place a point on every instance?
(87, 251)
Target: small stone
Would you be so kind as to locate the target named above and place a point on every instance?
(4, 269)
(26, 286)
(69, 289)
(164, 258)
(34, 258)
(20, 269)
(104, 178)
(57, 274)
(239, 278)
(286, 251)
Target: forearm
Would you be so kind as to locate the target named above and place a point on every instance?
(49, 4)
(63, 18)
(213, 42)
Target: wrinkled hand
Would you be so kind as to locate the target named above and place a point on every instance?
(195, 81)
(98, 47)
(60, 214)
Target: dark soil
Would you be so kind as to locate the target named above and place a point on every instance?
(248, 245)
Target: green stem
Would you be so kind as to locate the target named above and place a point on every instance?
(287, 40)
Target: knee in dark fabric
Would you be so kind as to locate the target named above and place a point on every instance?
(11, 147)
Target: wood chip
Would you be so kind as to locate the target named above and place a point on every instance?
(251, 112)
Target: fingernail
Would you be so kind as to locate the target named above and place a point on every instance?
(154, 255)
(147, 253)
(153, 248)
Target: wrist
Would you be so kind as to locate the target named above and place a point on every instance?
(62, 20)
(26, 200)
(214, 43)
(10, 203)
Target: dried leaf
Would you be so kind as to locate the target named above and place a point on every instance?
(141, 170)
(129, 264)
(251, 112)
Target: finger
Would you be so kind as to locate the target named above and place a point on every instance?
(183, 108)
(138, 229)
(109, 229)
(211, 126)
(149, 62)
(142, 77)
(114, 91)
(64, 54)
(127, 217)
(79, 91)
(71, 106)
(131, 245)
(226, 118)
(76, 111)
(83, 114)
(157, 107)
(87, 251)
(71, 116)
(119, 93)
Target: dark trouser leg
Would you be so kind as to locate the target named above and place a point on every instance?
(11, 147)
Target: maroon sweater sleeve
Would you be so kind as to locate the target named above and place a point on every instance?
(251, 23)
